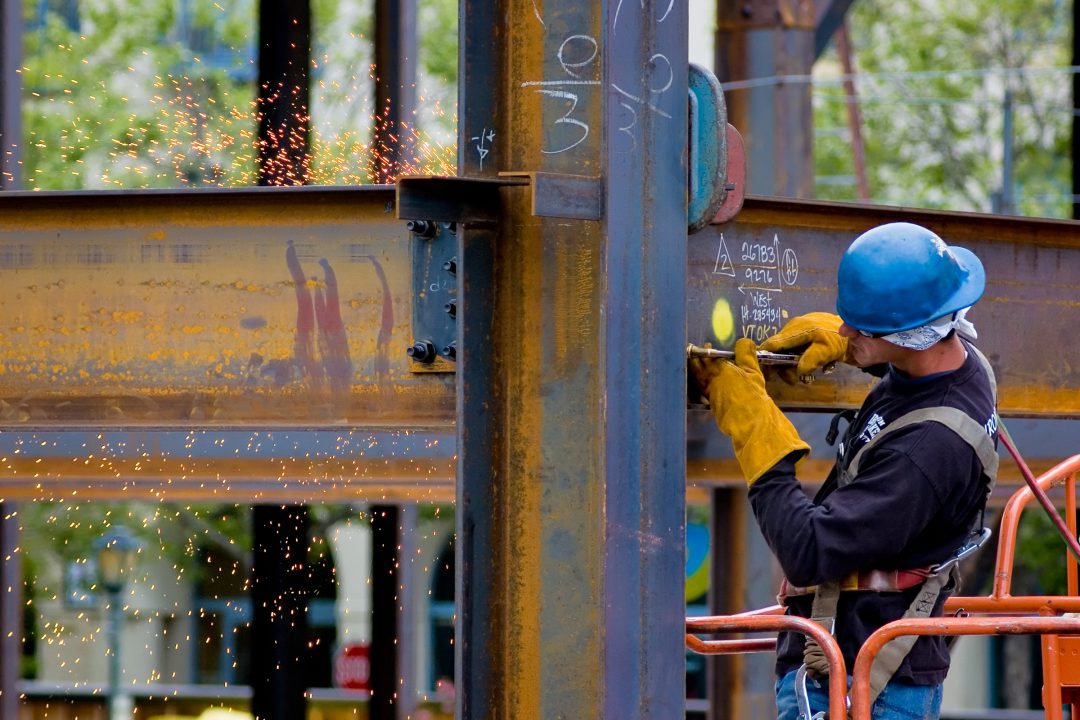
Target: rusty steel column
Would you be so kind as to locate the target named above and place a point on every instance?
(284, 155)
(279, 625)
(742, 578)
(392, 135)
(11, 610)
(395, 88)
(571, 379)
(386, 561)
(1075, 148)
(11, 28)
(11, 581)
(279, 628)
(727, 576)
(759, 44)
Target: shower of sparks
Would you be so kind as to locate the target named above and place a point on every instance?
(197, 127)
(201, 130)
(183, 137)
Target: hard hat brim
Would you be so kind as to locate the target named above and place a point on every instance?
(974, 285)
(969, 292)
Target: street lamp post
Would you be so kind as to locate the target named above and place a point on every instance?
(117, 552)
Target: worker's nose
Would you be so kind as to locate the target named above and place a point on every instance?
(848, 331)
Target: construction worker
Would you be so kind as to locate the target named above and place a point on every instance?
(913, 469)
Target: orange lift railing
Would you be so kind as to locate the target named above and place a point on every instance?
(1000, 613)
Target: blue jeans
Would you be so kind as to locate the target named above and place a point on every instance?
(898, 701)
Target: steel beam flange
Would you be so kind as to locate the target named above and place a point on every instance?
(476, 200)
(577, 197)
(451, 199)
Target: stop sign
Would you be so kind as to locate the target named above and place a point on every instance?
(352, 667)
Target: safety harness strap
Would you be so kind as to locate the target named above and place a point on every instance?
(873, 580)
(955, 419)
(892, 655)
(827, 596)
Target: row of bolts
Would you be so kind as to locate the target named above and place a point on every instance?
(423, 351)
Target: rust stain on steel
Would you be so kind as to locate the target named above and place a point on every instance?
(519, 349)
(265, 307)
(547, 343)
(778, 259)
(575, 272)
(229, 480)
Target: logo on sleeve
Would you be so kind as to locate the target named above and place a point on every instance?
(872, 428)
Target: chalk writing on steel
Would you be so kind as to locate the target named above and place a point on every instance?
(575, 53)
(724, 265)
(763, 270)
(536, 12)
(483, 144)
(570, 67)
(662, 18)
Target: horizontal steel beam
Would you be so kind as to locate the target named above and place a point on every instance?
(162, 314)
(179, 308)
(260, 307)
(230, 465)
(778, 259)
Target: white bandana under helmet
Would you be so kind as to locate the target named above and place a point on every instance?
(924, 336)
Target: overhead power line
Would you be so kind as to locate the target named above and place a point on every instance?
(829, 80)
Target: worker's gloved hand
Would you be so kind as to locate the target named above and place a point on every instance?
(819, 333)
(759, 432)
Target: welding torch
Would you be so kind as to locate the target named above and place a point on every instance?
(765, 358)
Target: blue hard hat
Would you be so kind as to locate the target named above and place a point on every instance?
(899, 276)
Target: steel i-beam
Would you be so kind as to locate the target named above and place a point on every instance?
(758, 42)
(571, 433)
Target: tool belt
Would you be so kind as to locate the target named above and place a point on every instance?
(871, 580)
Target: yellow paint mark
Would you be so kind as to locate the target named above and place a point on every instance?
(723, 322)
(128, 316)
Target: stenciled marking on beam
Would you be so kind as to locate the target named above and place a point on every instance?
(778, 259)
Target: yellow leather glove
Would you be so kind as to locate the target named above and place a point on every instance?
(819, 333)
(759, 432)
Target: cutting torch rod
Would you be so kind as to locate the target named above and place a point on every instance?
(765, 358)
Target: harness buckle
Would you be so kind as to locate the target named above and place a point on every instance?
(802, 697)
(965, 550)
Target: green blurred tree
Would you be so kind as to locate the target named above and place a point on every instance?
(931, 82)
(137, 94)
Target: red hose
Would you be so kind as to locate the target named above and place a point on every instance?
(1029, 478)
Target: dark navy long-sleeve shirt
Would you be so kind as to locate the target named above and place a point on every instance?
(915, 499)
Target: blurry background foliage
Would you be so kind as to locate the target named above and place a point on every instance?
(141, 93)
(931, 82)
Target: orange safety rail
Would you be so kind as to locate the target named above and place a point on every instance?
(764, 622)
(1000, 610)
(1002, 614)
(1000, 600)
(860, 685)
(734, 647)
